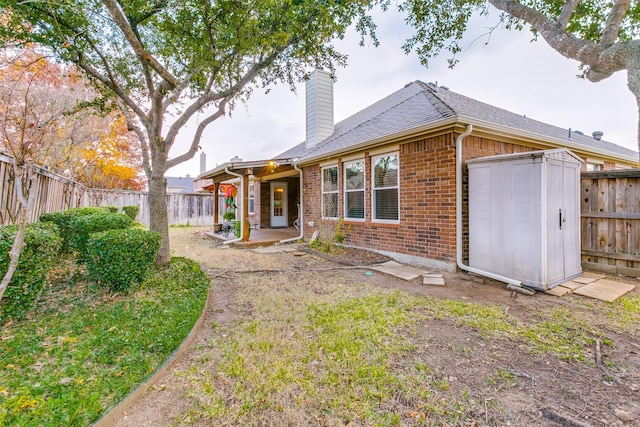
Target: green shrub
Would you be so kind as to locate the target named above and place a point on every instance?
(112, 209)
(63, 219)
(42, 244)
(80, 228)
(229, 216)
(119, 258)
(131, 211)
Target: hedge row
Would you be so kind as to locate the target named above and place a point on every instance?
(63, 221)
(119, 258)
(80, 228)
(42, 245)
(116, 255)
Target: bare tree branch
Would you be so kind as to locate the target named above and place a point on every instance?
(177, 91)
(614, 20)
(602, 60)
(142, 115)
(142, 138)
(228, 93)
(567, 11)
(198, 135)
(135, 43)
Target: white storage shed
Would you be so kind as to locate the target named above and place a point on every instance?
(524, 216)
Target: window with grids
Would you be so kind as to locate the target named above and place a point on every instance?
(354, 190)
(330, 192)
(251, 198)
(385, 188)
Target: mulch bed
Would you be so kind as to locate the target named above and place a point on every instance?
(349, 256)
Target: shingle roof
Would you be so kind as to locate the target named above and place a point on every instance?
(420, 104)
(468, 107)
(181, 182)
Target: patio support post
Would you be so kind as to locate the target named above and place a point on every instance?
(245, 207)
(216, 213)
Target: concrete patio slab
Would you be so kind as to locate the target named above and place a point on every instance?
(291, 247)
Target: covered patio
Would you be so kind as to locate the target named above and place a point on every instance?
(267, 199)
(259, 237)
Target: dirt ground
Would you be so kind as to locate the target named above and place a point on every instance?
(544, 390)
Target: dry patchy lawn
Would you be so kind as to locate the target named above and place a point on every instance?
(302, 341)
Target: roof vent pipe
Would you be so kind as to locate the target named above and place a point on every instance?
(203, 162)
(597, 135)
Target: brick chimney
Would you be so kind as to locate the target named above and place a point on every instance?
(319, 102)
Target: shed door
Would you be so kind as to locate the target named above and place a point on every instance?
(563, 221)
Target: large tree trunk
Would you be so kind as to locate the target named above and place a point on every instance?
(158, 217)
(14, 254)
(633, 82)
(24, 179)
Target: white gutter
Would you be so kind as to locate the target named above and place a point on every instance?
(552, 141)
(461, 265)
(493, 128)
(301, 210)
(237, 239)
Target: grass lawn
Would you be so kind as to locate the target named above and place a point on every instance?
(319, 351)
(83, 349)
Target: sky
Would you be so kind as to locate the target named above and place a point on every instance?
(509, 72)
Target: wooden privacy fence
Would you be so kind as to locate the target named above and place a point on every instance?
(53, 193)
(610, 221)
(183, 208)
(56, 193)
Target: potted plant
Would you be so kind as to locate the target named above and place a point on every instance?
(237, 228)
(229, 216)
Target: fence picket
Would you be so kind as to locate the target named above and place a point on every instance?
(56, 193)
(610, 222)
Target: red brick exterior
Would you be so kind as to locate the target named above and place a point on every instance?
(427, 227)
(256, 217)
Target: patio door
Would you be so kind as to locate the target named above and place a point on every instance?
(278, 204)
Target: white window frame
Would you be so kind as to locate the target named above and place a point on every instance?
(322, 192)
(251, 199)
(363, 190)
(374, 159)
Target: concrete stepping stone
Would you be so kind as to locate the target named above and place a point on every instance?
(398, 270)
(605, 290)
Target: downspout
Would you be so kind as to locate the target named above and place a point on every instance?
(301, 213)
(238, 238)
(514, 284)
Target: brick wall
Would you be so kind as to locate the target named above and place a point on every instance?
(256, 217)
(427, 227)
(312, 199)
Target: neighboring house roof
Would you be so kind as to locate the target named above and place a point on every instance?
(184, 184)
(420, 105)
